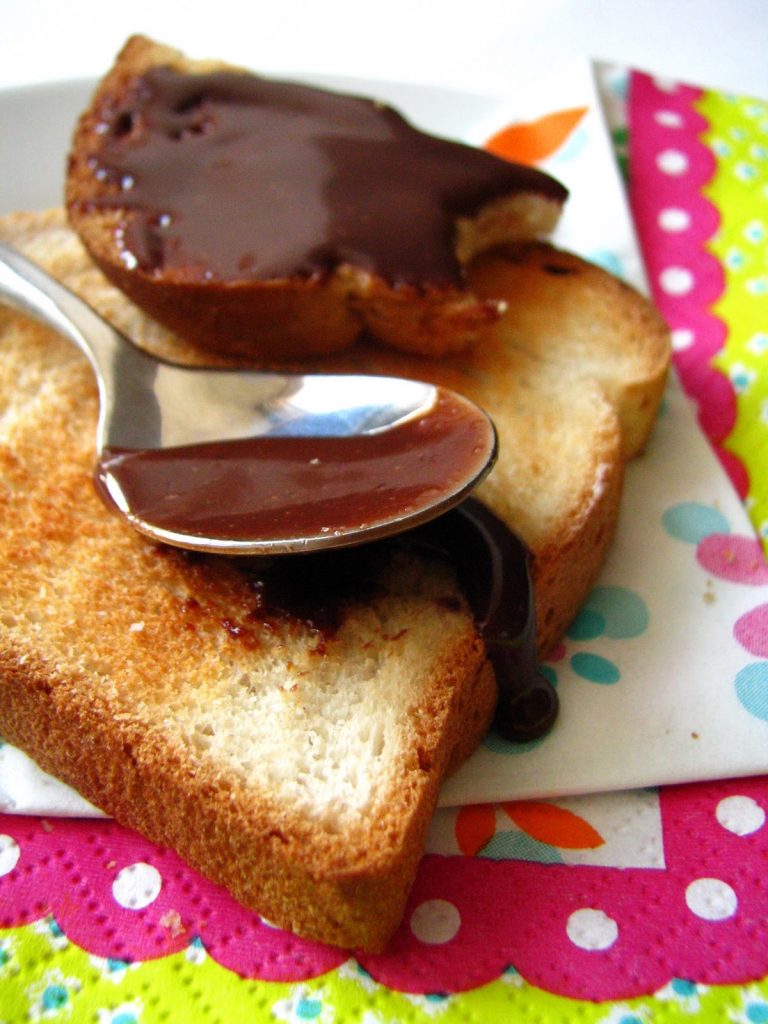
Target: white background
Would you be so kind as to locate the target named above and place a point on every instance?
(481, 46)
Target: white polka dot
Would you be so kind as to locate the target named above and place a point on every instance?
(740, 814)
(668, 118)
(672, 161)
(711, 899)
(137, 886)
(682, 338)
(9, 854)
(591, 929)
(757, 285)
(676, 280)
(668, 85)
(673, 218)
(435, 921)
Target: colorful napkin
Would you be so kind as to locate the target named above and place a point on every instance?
(615, 908)
(699, 187)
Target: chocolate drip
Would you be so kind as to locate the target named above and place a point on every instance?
(493, 569)
(229, 176)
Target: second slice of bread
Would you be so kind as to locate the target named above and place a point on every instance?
(304, 313)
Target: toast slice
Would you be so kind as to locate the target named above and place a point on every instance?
(295, 762)
(323, 214)
(297, 766)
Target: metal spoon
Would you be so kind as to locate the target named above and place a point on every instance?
(243, 462)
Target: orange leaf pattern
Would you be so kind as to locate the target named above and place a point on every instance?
(533, 141)
(475, 825)
(553, 825)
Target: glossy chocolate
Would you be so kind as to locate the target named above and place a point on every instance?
(275, 488)
(493, 568)
(229, 177)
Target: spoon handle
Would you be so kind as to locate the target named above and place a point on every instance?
(30, 290)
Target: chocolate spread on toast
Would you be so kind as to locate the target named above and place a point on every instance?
(228, 176)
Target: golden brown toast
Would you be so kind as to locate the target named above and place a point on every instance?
(296, 764)
(300, 277)
(298, 768)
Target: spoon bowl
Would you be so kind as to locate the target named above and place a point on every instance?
(258, 463)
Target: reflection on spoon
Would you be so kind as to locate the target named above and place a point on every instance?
(279, 489)
(243, 462)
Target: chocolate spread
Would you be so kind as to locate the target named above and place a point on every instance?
(229, 176)
(493, 568)
(277, 488)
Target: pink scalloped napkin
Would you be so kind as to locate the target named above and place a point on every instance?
(699, 191)
(504, 904)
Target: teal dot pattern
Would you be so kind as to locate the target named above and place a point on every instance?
(692, 521)
(595, 669)
(520, 846)
(588, 625)
(684, 988)
(308, 1009)
(617, 613)
(701, 525)
(752, 689)
(757, 1013)
(54, 997)
(610, 612)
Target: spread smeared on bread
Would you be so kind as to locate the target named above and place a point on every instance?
(275, 219)
(491, 566)
(229, 176)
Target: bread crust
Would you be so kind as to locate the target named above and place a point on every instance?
(294, 316)
(348, 891)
